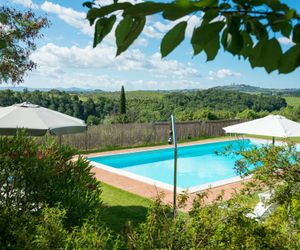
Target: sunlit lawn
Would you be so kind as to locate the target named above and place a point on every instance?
(292, 139)
(122, 206)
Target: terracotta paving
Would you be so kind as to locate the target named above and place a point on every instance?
(151, 191)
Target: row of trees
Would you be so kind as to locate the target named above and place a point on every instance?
(211, 104)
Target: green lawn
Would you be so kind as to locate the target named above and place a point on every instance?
(293, 100)
(291, 139)
(122, 206)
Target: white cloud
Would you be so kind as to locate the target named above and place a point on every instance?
(163, 27)
(103, 57)
(285, 41)
(222, 73)
(72, 17)
(170, 68)
(60, 63)
(107, 2)
(143, 42)
(151, 32)
(26, 3)
(110, 83)
(75, 57)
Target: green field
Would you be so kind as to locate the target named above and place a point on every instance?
(293, 100)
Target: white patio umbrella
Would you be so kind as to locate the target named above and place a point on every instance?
(271, 125)
(37, 120)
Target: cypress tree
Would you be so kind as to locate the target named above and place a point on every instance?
(122, 101)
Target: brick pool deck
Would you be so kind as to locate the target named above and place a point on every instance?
(151, 191)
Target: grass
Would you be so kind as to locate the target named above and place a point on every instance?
(291, 139)
(122, 206)
(293, 100)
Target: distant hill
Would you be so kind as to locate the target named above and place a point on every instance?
(137, 93)
(70, 90)
(258, 90)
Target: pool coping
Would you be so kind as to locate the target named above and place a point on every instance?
(160, 184)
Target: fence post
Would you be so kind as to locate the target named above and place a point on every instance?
(86, 135)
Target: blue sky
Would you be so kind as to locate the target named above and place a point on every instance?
(66, 58)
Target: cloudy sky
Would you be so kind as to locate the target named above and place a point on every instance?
(66, 58)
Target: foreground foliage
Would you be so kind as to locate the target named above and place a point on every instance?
(35, 177)
(50, 202)
(245, 28)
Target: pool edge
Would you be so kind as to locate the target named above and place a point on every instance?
(167, 186)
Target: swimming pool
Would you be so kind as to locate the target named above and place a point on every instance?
(198, 165)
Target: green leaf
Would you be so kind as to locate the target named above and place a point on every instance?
(127, 31)
(145, 8)
(3, 44)
(102, 28)
(296, 34)
(290, 14)
(105, 10)
(173, 38)
(286, 30)
(207, 38)
(232, 39)
(225, 6)
(88, 4)
(197, 48)
(276, 22)
(255, 58)
(257, 29)
(176, 11)
(209, 15)
(206, 3)
(203, 34)
(212, 48)
(257, 2)
(123, 30)
(271, 55)
(277, 6)
(267, 54)
(290, 60)
(247, 45)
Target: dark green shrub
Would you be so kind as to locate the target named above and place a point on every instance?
(33, 177)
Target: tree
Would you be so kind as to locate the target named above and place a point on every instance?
(122, 101)
(18, 32)
(248, 29)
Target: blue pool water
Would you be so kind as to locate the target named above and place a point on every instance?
(197, 164)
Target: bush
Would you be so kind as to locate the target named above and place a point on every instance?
(35, 176)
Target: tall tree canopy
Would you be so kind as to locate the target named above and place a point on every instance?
(18, 32)
(245, 28)
(122, 101)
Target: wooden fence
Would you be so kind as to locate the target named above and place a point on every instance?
(134, 134)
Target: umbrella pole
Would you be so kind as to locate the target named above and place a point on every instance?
(273, 140)
(175, 165)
